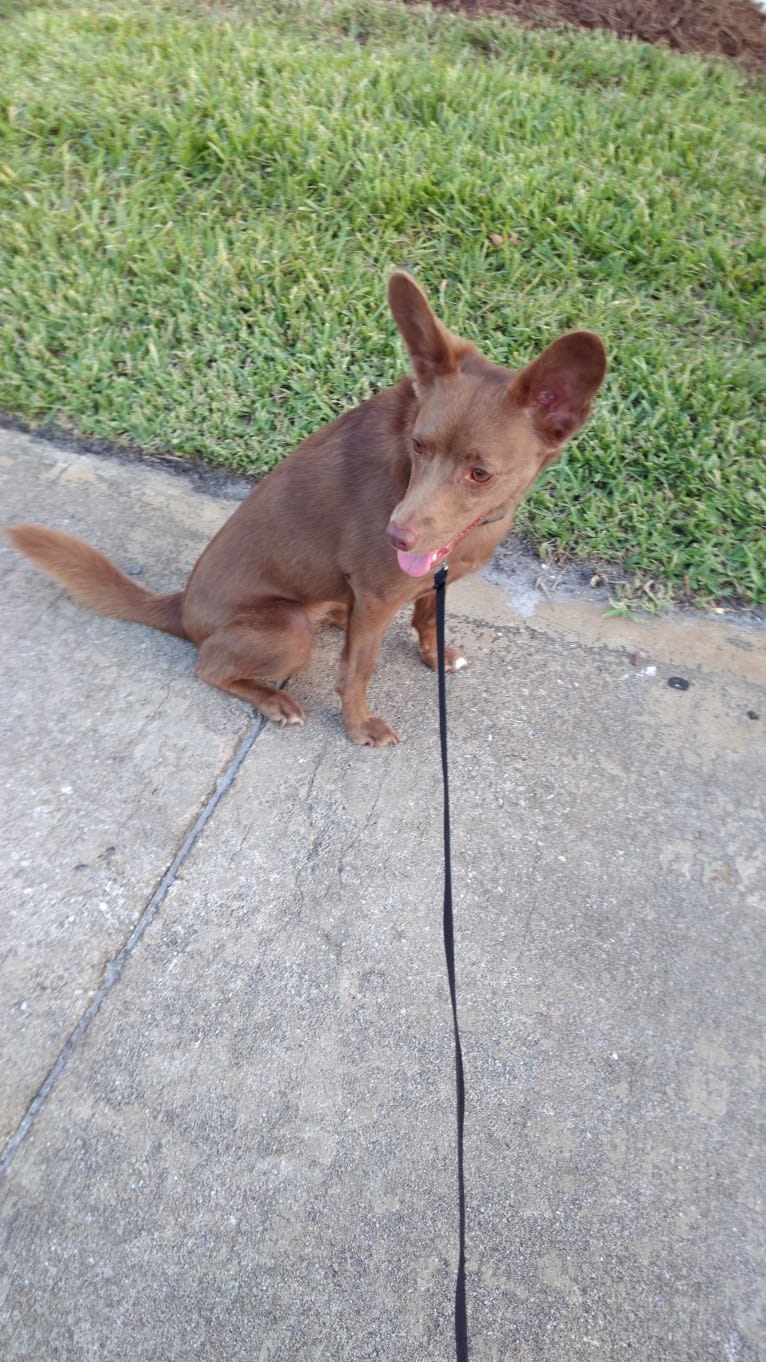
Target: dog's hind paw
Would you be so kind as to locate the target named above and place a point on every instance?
(282, 710)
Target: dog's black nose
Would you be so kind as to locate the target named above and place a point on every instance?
(401, 537)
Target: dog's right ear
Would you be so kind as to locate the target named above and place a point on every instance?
(434, 351)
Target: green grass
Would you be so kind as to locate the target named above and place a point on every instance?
(202, 205)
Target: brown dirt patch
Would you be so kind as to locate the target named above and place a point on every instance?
(720, 28)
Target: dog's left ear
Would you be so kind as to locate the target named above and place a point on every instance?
(557, 388)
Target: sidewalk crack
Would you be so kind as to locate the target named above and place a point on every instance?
(114, 968)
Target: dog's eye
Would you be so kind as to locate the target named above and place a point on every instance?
(480, 474)
(417, 445)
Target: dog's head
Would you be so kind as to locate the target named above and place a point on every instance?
(481, 433)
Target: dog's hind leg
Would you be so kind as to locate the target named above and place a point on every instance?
(273, 643)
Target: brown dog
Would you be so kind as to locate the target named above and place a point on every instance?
(351, 526)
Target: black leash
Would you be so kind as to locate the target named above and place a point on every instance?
(461, 1318)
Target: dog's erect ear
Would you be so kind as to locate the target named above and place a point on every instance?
(434, 351)
(557, 388)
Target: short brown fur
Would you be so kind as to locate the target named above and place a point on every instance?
(438, 462)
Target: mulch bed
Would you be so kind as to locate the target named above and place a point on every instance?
(728, 28)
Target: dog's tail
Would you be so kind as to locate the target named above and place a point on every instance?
(94, 581)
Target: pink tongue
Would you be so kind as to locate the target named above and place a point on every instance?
(415, 564)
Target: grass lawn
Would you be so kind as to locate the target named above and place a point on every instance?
(201, 204)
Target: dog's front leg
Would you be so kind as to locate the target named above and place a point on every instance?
(424, 622)
(369, 617)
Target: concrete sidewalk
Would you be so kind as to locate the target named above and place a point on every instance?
(227, 1090)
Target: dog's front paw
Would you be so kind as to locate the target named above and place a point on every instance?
(453, 659)
(372, 732)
